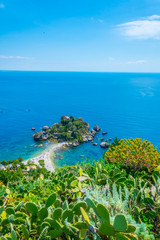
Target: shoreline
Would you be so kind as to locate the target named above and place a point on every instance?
(46, 156)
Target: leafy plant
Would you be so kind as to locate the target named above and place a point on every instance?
(134, 153)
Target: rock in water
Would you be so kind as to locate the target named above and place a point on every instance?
(93, 132)
(33, 129)
(75, 144)
(104, 145)
(103, 133)
(38, 136)
(96, 128)
(95, 144)
(45, 128)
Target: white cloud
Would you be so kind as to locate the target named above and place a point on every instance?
(13, 57)
(153, 17)
(2, 5)
(145, 28)
(137, 62)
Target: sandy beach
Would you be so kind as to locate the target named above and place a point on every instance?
(46, 156)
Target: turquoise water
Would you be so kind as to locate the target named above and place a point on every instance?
(124, 104)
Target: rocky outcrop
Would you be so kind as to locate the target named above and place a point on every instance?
(104, 145)
(87, 137)
(73, 144)
(90, 138)
(93, 132)
(96, 128)
(103, 133)
(45, 137)
(38, 136)
(95, 144)
(45, 128)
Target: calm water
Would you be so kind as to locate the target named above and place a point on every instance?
(124, 104)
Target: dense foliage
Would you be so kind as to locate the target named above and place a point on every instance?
(134, 153)
(99, 201)
(69, 129)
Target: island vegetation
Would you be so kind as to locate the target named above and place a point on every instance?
(69, 129)
(115, 198)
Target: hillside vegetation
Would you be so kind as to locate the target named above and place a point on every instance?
(111, 199)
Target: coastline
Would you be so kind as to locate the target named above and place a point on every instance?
(46, 156)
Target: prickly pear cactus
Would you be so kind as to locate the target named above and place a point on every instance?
(120, 223)
(43, 213)
(57, 213)
(51, 199)
(25, 231)
(31, 207)
(103, 213)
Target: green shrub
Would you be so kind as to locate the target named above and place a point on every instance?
(134, 153)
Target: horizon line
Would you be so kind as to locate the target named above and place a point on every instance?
(69, 71)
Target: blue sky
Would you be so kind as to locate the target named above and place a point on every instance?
(103, 35)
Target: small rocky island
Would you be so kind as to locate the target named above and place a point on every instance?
(71, 130)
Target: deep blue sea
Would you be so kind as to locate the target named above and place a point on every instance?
(123, 104)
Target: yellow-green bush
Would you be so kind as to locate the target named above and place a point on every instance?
(134, 153)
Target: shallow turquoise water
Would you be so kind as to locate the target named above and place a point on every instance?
(124, 104)
(82, 153)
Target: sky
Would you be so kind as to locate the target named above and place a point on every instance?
(80, 35)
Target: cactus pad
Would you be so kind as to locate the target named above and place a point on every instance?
(106, 229)
(76, 208)
(120, 223)
(103, 213)
(57, 213)
(25, 231)
(43, 213)
(31, 207)
(55, 233)
(51, 199)
(131, 228)
(67, 214)
(10, 211)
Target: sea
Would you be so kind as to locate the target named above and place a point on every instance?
(123, 104)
